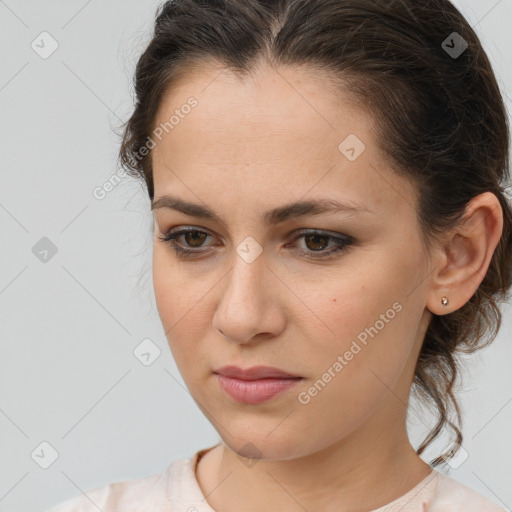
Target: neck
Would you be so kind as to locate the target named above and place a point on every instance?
(363, 471)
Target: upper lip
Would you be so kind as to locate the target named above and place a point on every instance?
(254, 373)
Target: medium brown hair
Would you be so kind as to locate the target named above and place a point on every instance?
(440, 121)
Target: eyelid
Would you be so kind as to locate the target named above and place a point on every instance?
(341, 241)
(325, 232)
(295, 233)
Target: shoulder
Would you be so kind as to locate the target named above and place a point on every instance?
(453, 496)
(127, 495)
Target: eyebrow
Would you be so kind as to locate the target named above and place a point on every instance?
(274, 216)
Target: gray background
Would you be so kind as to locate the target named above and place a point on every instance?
(69, 326)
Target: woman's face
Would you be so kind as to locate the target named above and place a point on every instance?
(270, 290)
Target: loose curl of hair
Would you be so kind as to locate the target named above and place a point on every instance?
(440, 120)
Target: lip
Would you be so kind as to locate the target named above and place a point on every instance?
(255, 373)
(255, 391)
(255, 385)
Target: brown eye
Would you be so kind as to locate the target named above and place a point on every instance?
(190, 241)
(316, 242)
(319, 244)
(194, 238)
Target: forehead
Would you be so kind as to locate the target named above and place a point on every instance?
(289, 104)
(272, 131)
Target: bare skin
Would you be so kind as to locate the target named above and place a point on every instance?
(253, 145)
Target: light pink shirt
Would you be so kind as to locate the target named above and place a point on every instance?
(176, 490)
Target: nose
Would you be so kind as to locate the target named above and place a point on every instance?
(249, 305)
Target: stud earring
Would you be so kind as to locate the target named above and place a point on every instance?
(444, 301)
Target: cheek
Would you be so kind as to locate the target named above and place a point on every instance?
(181, 300)
(177, 291)
(353, 369)
(342, 305)
(361, 317)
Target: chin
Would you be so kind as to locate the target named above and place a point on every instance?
(251, 448)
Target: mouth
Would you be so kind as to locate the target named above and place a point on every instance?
(255, 391)
(255, 385)
(255, 373)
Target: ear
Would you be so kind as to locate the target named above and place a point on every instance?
(463, 258)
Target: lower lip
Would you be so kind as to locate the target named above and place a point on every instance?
(255, 391)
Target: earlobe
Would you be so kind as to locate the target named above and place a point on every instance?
(442, 306)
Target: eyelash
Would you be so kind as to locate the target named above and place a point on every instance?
(342, 245)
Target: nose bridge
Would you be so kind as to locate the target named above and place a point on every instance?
(245, 286)
(249, 267)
